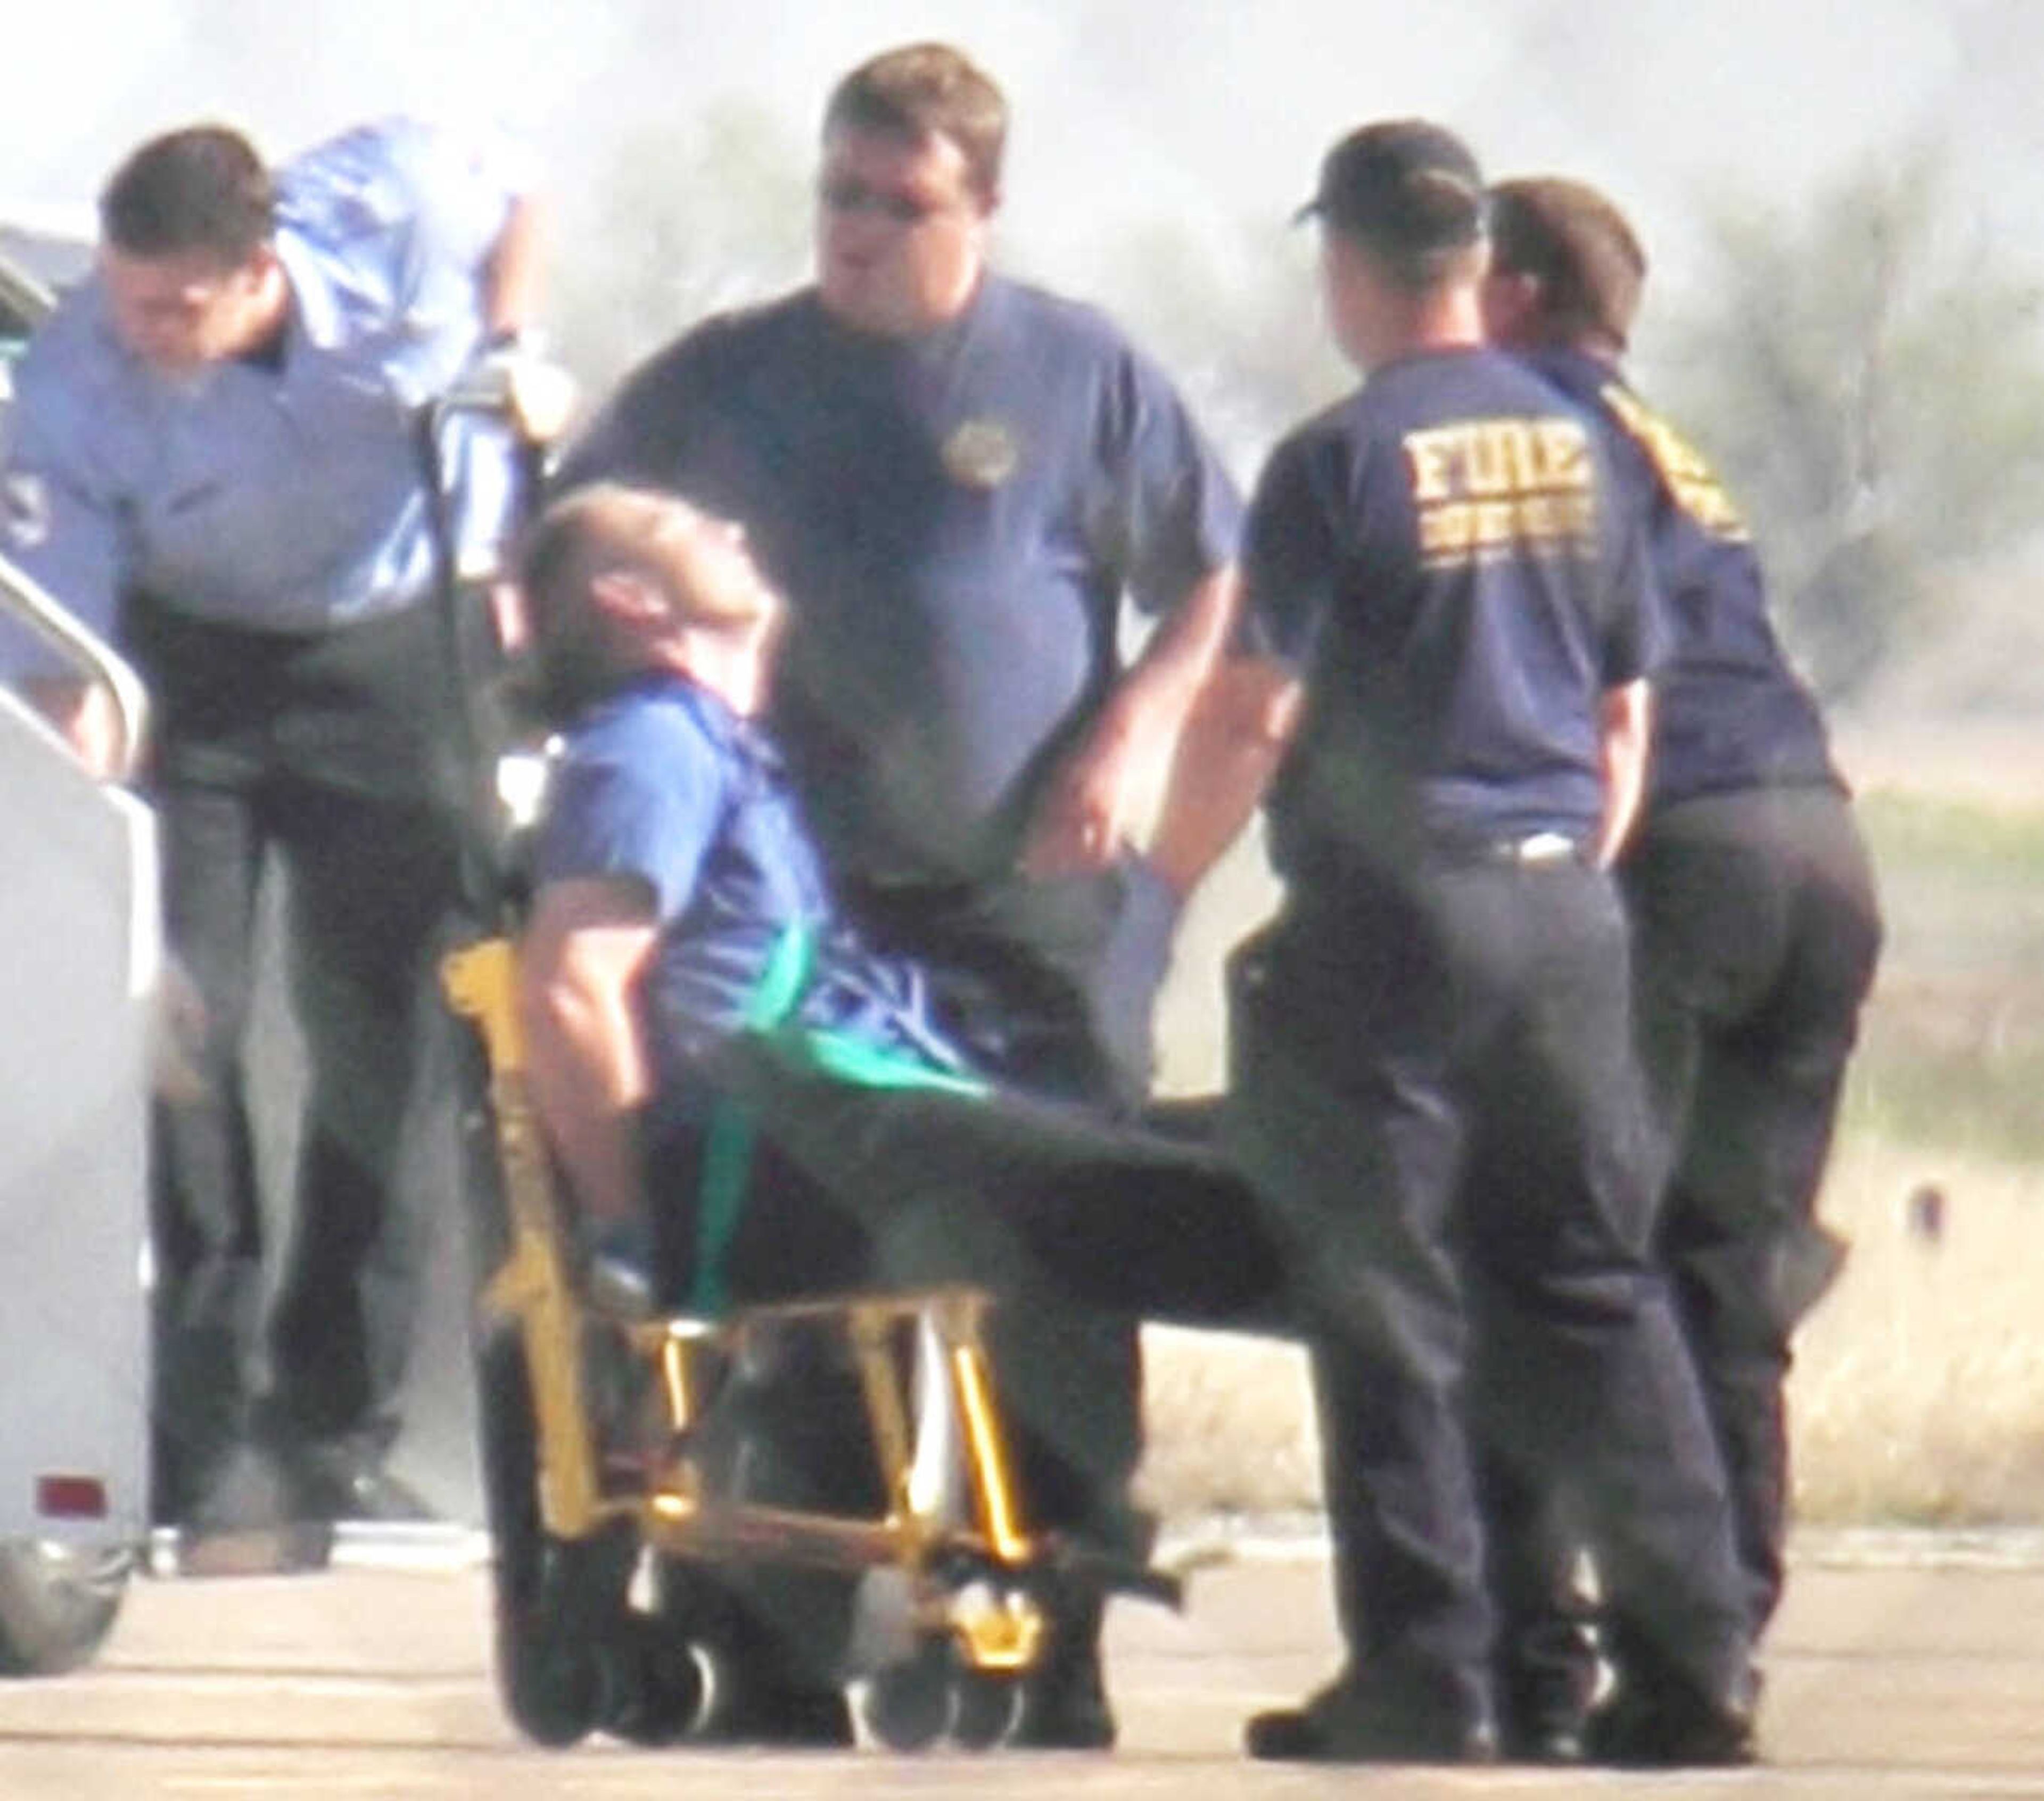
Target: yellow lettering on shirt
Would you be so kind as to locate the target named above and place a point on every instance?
(1486, 487)
(1429, 454)
(1690, 479)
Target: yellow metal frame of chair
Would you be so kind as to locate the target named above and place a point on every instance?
(674, 1509)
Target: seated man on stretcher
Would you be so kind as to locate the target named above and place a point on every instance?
(722, 1071)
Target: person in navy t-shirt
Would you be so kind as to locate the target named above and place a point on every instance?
(1756, 925)
(1435, 1090)
(960, 482)
(958, 479)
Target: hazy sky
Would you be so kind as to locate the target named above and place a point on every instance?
(1213, 109)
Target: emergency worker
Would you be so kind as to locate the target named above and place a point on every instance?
(1756, 927)
(682, 958)
(957, 479)
(215, 457)
(1444, 990)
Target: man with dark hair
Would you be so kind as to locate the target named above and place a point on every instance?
(1756, 927)
(958, 481)
(220, 438)
(1435, 1092)
(201, 191)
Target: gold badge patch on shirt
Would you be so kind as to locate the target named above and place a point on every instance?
(982, 453)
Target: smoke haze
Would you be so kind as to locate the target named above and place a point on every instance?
(1204, 111)
(1158, 150)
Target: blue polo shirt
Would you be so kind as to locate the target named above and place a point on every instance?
(955, 520)
(1439, 556)
(662, 782)
(1729, 712)
(291, 498)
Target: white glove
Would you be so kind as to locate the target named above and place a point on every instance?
(513, 377)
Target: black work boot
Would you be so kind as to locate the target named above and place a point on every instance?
(1665, 1722)
(1545, 1683)
(1359, 1718)
(1064, 1699)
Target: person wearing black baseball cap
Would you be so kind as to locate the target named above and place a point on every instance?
(1435, 1092)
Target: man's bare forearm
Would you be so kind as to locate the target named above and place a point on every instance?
(1179, 661)
(88, 717)
(512, 277)
(579, 965)
(1232, 743)
(1625, 723)
(594, 1136)
(1089, 810)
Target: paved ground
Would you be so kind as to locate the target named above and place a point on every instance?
(1893, 1673)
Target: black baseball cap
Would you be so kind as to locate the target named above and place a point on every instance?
(1407, 183)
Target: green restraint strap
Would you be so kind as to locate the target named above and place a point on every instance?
(728, 1145)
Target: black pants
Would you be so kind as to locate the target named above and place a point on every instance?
(1757, 932)
(1051, 1206)
(328, 751)
(1051, 986)
(1390, 1039)
(1060, 1213)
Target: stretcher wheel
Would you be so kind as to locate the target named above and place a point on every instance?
(554, 1690)
(907, 1707)
(986, 1708)
(559, 1605)
(57, 1603)
(933, 1698)
(656, 1685)
(753, 1684)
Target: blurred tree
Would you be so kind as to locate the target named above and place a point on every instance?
(1868, 370)
(1237, 324)
(679, 222)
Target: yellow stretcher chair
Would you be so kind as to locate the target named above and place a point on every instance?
(626, 1477)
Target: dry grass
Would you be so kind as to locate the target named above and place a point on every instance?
(1230, 1422)
(1918, 1390)
(1917, 1394)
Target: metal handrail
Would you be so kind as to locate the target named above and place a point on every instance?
(22, 291)
(27, 602)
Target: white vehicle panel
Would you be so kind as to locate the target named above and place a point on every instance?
(79, 959)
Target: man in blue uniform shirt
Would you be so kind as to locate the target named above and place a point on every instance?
(672, 875)
(1756, 925)
(216, 455)
(958, 480)
(1435, 1093)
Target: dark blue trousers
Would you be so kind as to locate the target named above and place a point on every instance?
(1757, 931)
(328, 752)
(1392, 1036)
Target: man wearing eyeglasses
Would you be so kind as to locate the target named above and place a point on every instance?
(958, 479)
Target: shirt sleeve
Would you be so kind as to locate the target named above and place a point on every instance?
(59, 523)
(1181, 514)
(613, 815)
(1638, 635)
(427, 203)
(443, 192)
(1290, 557)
